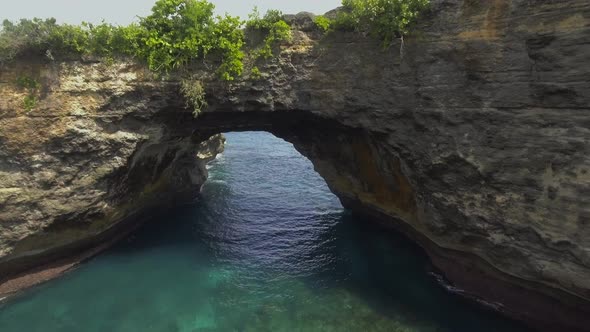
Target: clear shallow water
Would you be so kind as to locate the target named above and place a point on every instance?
(267, 248)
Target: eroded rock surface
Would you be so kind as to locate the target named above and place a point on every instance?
(472, 137)
(77, 165)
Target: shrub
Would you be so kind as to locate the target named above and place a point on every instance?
(46, 37)
(194, 93)
(228, 39)
(263, 23)
(255, 73)
(177, 33)
(386, 19)
(274, 28)
(323, 23)
(68, 40)
(32, 36)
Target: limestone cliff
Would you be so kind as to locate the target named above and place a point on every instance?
(471, 137)
(77, 165)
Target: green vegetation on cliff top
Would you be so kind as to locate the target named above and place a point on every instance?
(179, 33)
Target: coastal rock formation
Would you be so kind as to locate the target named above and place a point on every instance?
(77, 165)
(471, 136)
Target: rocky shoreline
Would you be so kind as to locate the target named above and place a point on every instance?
(66, 259)
(474, 280)
(13, 285)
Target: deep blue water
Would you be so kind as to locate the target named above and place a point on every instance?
(267, 248)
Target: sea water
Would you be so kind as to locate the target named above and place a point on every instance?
(266, 248)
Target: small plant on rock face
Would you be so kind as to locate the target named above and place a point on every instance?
(32, 87)
(27, 83)
(255, 73)
(194, 93)
(30, 102)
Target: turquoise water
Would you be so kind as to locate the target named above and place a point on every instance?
(267, 248)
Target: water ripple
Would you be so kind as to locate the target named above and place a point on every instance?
(267, 248)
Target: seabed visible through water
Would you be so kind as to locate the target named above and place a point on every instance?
(267, 248)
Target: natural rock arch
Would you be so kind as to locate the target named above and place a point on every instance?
(474, 143)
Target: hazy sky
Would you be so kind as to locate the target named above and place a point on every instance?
(124, 11)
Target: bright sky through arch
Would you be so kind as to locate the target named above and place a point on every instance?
(125, 11)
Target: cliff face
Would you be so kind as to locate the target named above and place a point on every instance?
(471, 137)
(77, 165)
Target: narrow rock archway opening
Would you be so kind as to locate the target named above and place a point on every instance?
(265, 245)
